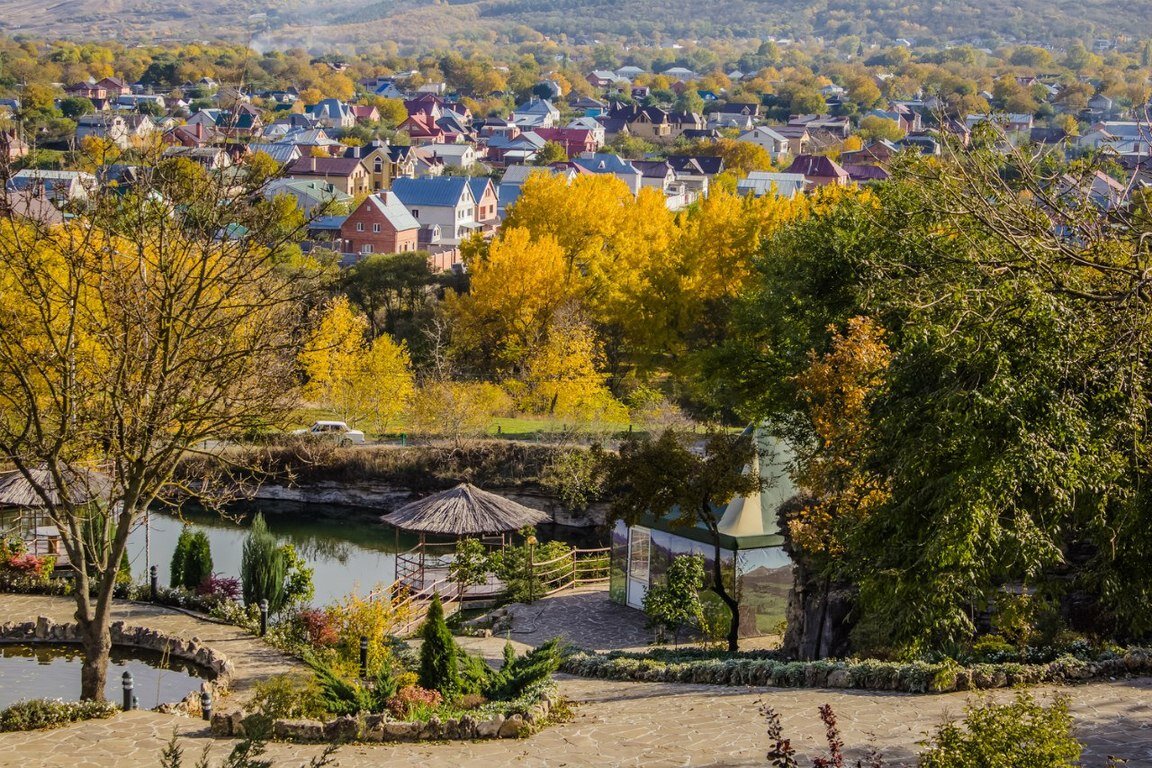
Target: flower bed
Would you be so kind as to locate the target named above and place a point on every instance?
(496, 720)
(767, 669)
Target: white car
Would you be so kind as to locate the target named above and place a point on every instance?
(337, 431)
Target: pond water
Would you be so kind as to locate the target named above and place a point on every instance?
(53, 672)
(348, 548)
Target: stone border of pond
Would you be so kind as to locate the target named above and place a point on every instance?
(46, 631)
(383, 728)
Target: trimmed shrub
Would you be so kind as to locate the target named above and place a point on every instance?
(438, 656)
(51, 713)
(263, 567)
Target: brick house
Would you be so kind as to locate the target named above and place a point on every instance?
(380, 224)
(347, 174)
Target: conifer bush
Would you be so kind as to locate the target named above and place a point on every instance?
(438, 654)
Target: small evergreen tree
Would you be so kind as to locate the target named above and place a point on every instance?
(676, 603)
(263, 567)
(179, 557)
(197, 561)
(438, 670)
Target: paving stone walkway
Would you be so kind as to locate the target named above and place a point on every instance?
(615, 724)
(584, 619)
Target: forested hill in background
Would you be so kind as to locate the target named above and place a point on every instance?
(424, 24)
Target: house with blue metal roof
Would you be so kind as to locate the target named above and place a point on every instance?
(612, 164)
(446, 202)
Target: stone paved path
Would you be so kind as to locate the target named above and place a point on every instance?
(585, 619)
(615, 725)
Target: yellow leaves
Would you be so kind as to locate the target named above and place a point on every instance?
(516, 287)
(836, 389)
(356, 379)
(564, 380)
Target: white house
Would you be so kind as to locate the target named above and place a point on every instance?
(770, 140)
(445, 202)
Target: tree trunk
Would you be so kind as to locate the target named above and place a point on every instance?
(722, 592)
(97, 642)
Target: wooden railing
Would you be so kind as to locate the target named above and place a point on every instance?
(575, 570)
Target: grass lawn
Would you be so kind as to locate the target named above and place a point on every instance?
(511, 428)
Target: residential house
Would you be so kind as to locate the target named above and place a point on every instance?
(29, 205)
(656, 174)
(614, 165)
(1007, 121)
(575, 141)
(761, 183)
(139, 127)
(600, 78)
(376, 158)
(589, 124)
(114, 86)
(696, 172)
(1118, 137)
(332, 113)
(365, 113)
(311, 196)
(587, 106)
(380, 224)
(1099, 189)
(865, 173)
(513, 148)
(12, 147)
(629, 72)
(819, 170)
(422, 129)
(281, 153)
(446, 202)
(450, 155)
(191, 136)
(108, 127)
(58, 186)
(841, 127)
(347, 174)
(878, 152)
(487, 213)
(797, 136)
(212, 158)
(771, 140)
(311, 140)
(133, 102)
(682, 74)
(537, 113)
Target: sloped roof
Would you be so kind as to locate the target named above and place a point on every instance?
(440, 191)
(818, 166)
(464, 511)
(79, 486)
(392, 208)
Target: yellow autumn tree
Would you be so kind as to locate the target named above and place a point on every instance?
(836, 389)
(517, 285)
(357, 380)
(564, 378)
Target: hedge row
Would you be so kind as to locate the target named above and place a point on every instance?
(51, 713)
(911, 677)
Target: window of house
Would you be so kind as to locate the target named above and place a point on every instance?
(375, 227)
(378, 166)
(359, 226)
(415, 213)
(366, 248)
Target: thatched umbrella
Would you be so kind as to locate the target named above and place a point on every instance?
(464, 511)
(82, 486)
(461, 511)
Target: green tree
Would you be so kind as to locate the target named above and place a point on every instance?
(666, 475)
(676, 603)
(179, 557)
(197, 561)
(438, 654)
(76, 106)
(263, 567)
(551, 152)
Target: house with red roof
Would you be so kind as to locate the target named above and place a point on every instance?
(380, 224)
(819, 170)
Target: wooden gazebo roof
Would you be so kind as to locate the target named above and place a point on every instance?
(81, 487)
(464, 511)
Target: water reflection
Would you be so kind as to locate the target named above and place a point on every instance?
(53, 672)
